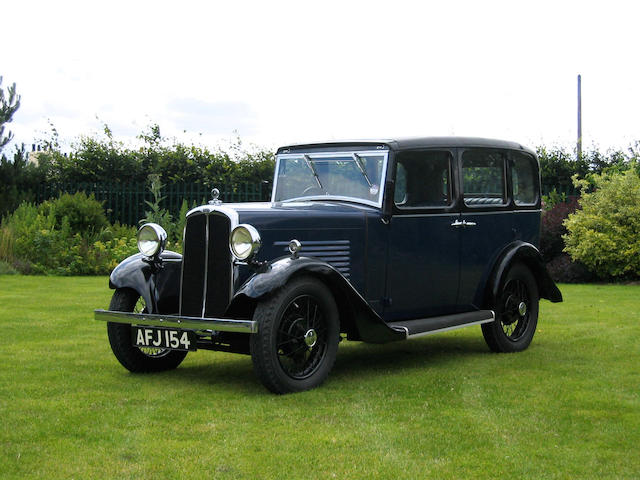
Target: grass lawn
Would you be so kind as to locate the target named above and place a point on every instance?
(438, 407)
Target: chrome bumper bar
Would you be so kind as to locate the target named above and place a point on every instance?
(175, 321)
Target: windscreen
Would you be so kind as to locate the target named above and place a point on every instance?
(353, 176)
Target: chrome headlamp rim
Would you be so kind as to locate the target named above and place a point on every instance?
(252, 238)
(154, 245)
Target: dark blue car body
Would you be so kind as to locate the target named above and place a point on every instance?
(394, 268)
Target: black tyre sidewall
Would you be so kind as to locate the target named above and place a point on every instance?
(130, 357)
(269, 313)
(493, 333)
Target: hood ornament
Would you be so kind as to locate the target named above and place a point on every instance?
(215, 193)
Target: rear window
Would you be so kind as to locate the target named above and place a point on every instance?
(524, 175)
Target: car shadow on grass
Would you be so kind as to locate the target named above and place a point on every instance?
(354, 360)
(404, 356)
(220, 370)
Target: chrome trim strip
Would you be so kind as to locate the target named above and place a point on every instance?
(206, 265)
(490, 212)
(207, 209)
(176, 321)
(184, 244)
(532, 210)
(406, 331)
(275, 179)
(331, 197)
(420, 215)
(447, 329)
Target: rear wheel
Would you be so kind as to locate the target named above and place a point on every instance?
(516, 312)
(136, 359)
(298, 335)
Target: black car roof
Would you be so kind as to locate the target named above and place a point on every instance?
(410, 143)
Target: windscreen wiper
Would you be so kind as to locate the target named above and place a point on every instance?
(360, 165)
(312, 167)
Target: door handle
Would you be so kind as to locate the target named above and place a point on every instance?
(463, 223)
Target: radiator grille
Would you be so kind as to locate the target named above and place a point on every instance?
(336, 253)
(206, 267)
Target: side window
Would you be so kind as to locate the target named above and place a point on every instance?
(524, 179)
(483, 179)
(400, 195)
(423, 180)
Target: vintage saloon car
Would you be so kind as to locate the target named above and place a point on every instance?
(374, 241)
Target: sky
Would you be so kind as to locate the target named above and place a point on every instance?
(276, 72)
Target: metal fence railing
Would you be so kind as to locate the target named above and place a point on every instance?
(125, 202)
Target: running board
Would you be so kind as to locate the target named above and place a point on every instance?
(431, 325)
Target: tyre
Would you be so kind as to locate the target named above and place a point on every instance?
(134, 359)
(516, 312)
(298, 336)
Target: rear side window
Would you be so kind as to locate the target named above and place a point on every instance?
(423, 180)
(483, 178)
(524, 176)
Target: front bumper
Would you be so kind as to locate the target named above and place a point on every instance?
(175, 321)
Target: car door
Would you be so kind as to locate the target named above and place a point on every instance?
(486, 220)
(424, 247)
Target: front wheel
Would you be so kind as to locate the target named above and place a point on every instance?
(298, 335)
(134, 359)
(516, 312)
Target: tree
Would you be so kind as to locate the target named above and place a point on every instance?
(8, 106)
(557, 166)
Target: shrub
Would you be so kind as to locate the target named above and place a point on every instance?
(605, 233)
(84, 214)
(38, 240)
(552, 229)
(563, 269)
(560, 265)
(6, 269)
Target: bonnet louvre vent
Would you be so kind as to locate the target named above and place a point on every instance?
(336, 253)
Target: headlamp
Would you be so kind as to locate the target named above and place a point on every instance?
(244, 241)
(151, 239)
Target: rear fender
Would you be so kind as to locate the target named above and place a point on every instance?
(357, 318)
(157, 283)
(529, 255)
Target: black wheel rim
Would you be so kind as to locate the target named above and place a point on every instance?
(516, 304)
(301, 340)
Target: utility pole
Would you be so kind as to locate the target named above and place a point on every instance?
(579, 146)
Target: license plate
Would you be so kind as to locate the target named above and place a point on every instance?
(163, 338)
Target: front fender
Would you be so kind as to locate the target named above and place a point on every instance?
(275, 274)
(529, 255)
(158, 284)
(357, 317)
